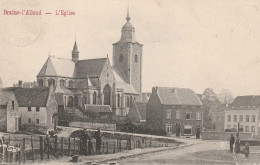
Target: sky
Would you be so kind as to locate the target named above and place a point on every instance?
(189, 44)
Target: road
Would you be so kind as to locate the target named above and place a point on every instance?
(204, 152)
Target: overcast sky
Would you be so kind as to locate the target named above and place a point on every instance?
(194, 44)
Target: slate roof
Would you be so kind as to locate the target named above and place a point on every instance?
(59, 98)
(58, 67)
(177, 96)
(98, 108)
(5, 96)
(247, 101)
(90, 68)
(30, 97)
(75, 48)
(121, 84)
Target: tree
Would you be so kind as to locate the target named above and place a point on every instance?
(225, 97)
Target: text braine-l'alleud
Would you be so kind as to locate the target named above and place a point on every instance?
(38, 12)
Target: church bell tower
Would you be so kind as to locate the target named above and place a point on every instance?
(75, 53)
(127, 56)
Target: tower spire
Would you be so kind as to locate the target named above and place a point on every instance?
(128, 17)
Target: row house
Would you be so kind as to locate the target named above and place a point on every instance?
(36, 107)
(178, 111)
(244, 111)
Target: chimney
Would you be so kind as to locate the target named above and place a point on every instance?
(20, 83)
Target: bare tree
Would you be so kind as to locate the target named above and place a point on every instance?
(225, 97)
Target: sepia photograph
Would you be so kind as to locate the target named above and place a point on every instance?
(130, 82)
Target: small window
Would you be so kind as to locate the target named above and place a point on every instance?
(188, 116)
(13, 105)
(241, 118)
(121, 58)
(37, 109)
(136, 58)
(247, 118)
(38, 121)
(168, 128)
(253, 129)
(29, 120)
(241, 128)
(246, 128)
(29, 109)
(253, 118)
(229, 117)
(235, 118)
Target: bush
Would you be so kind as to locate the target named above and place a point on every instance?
(34, 129)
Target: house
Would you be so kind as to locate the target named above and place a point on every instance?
(8, 112)
(244, 111)
(137, 112)
(36, 107)
(176, 110)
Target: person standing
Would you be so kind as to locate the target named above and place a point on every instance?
(237, 144)
(98, 141)
(231, 142)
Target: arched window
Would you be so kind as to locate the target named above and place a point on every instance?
(76, 101)
(107, 93)
(49, 82)
(62, 83)
(121, 58)
(70, 101)
(136, 58)
(84, 100)
(118, 100)
(128, 102)
(94, 98)
(41, 82)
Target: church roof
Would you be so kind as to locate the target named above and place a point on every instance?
(90, 68)
(121, 84)
(58, 67)
(75, 48)
(30, 97)
(177, 96)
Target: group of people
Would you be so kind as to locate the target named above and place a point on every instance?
(237, 149)
(86, 144)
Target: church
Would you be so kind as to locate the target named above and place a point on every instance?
(96, 82)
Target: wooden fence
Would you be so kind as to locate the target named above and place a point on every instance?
(21, 149)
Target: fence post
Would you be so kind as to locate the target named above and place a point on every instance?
(32, 149)
(107, 146)
(61, 147)
(74, 152)
(19, 154)
(114, 147)
(79, 144)
(48, 147)
(69, 147)
(120, 145)
(24, 153)
(56, 146)
(103, 147)
(41, 147)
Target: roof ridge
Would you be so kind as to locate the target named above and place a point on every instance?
(92, 59)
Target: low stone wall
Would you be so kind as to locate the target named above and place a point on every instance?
(90, 125)
(215, 135)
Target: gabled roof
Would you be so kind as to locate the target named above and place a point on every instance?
(90, 68)
(247, 101)
(98, 108)
(58, 67)
(30, 97)
(5, 96)
(141, 108)
(121, 84)
(177, 96)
